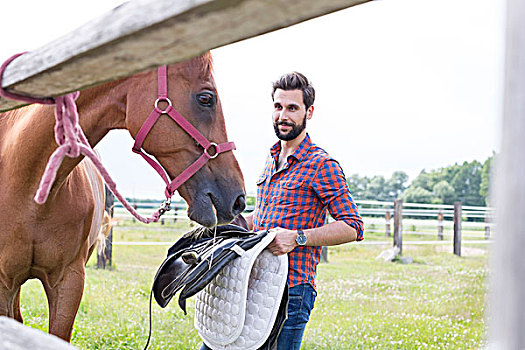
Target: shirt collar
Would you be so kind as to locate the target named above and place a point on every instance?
(299, 153)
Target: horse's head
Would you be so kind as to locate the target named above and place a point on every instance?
(215, 194)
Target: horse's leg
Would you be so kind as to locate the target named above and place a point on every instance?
(16, 307)
(10, 302)
(64, 299)
(5, 302)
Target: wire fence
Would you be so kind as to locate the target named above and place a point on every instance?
(418, 223)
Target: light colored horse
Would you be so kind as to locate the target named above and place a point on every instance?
(52, 242)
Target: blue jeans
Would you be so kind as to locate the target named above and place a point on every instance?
(300, 304)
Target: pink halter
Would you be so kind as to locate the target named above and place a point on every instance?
(216, 149)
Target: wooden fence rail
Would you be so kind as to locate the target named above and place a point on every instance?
(143, 34)
(400, 221)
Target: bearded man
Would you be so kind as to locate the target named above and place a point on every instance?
(300, 183)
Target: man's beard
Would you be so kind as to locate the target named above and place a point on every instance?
(293, 133)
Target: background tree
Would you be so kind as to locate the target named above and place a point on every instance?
(467, 182)
(417, 195)
(357, 185)
(444, 193)
(423, 180)
(485, 179)
(377, 188)
(396, 184)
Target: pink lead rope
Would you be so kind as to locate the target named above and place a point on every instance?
(72, 142)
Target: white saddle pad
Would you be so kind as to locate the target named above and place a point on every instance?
(238, 308)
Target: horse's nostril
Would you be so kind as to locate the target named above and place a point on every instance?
(239, 205)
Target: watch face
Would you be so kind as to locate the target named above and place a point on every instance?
(301, 239)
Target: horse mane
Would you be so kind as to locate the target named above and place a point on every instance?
(204, 62)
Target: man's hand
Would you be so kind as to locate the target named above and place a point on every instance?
(284, 241)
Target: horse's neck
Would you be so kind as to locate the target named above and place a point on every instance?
(101, 109)
(27, 135)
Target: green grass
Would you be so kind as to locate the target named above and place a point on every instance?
(437, 302)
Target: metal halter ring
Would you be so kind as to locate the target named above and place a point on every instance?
(162, 99)
(164, 207)
(214, 145)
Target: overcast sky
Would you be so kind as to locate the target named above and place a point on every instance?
(400, 84)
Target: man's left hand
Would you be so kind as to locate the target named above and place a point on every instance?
(284, 241)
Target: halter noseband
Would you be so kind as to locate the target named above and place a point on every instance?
(209, 147)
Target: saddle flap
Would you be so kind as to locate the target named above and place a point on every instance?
(201, 275)
(238, 309)
(175, 273)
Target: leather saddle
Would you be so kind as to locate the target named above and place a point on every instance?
(198, 261)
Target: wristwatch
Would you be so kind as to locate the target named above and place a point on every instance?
(301, 238)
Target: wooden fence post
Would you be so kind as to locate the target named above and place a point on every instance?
(324, 249)
(104, 256)
(487, 226)
(457, 228)
(398, 225)
(324, 254)
(387, 223)
(133, 218)
(440, 225)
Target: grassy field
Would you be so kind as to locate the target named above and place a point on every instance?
(436, 302)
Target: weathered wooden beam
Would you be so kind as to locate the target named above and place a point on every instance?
(143, 34)
(16, 336)
(507, 287)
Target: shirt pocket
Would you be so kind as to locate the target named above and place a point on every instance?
(293, 184)
(294, 191)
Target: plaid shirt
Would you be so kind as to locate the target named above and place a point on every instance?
(297, 196)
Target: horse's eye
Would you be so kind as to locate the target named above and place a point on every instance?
(206, 99)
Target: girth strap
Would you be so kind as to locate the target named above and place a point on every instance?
(211, 149)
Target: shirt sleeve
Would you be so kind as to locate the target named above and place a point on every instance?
(331, 187)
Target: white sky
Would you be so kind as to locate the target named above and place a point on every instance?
(400, 84)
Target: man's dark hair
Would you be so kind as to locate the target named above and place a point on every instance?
(296, 81)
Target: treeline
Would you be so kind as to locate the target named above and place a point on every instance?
(467, 183)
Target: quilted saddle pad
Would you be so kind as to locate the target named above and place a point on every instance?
(238, 309)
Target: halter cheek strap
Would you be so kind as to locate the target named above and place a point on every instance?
(210, 149)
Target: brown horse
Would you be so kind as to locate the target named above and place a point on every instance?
(52, 242)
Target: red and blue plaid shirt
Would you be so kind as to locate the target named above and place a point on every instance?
(298, 196)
